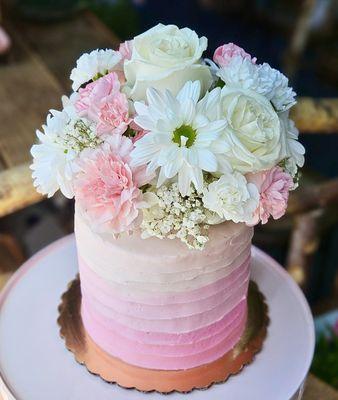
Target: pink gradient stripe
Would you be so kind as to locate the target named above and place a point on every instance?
(172, 274)
(173, 325)
(162, 338)
(89, 277)
(135, 354)
(183, 349)
(130, 308)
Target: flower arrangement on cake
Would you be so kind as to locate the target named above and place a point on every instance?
(172, 159)
(157, 139)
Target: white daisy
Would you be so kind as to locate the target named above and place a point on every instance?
(64, 136)
(94, 65)
(182, 131)
(232, 198)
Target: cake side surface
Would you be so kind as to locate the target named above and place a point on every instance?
(157, 304)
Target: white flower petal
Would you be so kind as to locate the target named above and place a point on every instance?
(145, 122)
(184, 179)
(170, 169)
(140, 107)
(207, 160)
(191, 91)
(161, 177)
(144, 154)
(187, 111)
(209, 104)
(213, 127)
(291, 150)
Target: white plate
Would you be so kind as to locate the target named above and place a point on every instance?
(34, 364)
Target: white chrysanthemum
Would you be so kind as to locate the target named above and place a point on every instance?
(182, 132)
(64, 136)
(52, 161)
(93, 65)
(232, 198)
(240, 73)
(292, 151)
(252, 137)
(275, 86)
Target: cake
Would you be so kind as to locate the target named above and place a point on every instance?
(157, 304)
(172, 160)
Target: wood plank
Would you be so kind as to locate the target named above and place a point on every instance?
(313, 196)
(16, 189)
(44, 56)
(4, 277)
(27, 91)
(60, 43)
(315, 389)
(312, 115)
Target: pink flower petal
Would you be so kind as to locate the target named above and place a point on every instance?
(274, 186)
(223, 54)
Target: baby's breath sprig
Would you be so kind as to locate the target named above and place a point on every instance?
(79, 135)
(176, 216)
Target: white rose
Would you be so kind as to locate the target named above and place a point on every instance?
(166, 57)
(252, 137)
(232, 198)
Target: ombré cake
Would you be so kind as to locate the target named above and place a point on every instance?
(156, 303)
(172, 159)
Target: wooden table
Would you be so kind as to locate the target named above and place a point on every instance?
(32, 81)
(316, 389)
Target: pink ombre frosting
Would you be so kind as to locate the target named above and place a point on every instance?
(157, 304)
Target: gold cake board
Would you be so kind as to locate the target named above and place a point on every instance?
(114, 370)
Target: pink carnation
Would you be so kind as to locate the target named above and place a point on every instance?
(107, 187)
(224, 54)
(102, 102)
(126, 50)
(274, 186)
(114, 115)
(95, 94)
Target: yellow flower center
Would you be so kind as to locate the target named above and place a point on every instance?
(185, 135)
